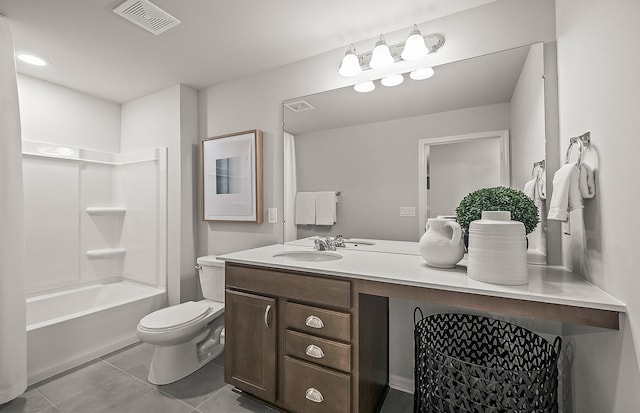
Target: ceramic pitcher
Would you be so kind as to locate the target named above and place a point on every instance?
(442, 245)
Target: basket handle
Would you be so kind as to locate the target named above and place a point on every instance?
(557, 344)
(415, 312)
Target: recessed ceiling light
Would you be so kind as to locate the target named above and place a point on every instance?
(32, 59)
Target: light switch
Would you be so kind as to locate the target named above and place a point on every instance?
(407, 211)
(272, 215)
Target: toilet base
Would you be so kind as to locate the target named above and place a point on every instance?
(172, 363)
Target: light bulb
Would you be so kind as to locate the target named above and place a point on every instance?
(381, 55)
(364, 87)
(350, 65)
(421, 74)
(392, 80)
(32, 60)
(414, 47)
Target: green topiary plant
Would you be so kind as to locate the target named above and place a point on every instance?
(500, 198)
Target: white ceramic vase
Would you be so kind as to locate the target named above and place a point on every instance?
(442, 245)
(497, 249)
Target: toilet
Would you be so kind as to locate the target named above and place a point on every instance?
(189, 335)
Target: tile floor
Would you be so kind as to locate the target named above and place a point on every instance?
(117, 383)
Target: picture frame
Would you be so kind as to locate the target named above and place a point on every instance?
(231, 177)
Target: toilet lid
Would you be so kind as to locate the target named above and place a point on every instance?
(176, 316)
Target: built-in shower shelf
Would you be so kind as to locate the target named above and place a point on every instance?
(106, 210)
(106, 253)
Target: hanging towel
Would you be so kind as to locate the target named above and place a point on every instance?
(566, 194)
(530, 189)
(305, 208)
(541, 185)
(326, 208)
(587, 183)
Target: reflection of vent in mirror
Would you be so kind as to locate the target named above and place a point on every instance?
(146, 15)
(299, 106)
(228, 175)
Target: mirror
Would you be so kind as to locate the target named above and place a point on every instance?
(393, 154)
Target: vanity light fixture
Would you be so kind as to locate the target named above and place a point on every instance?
(350, 65)
(364, 87)
(392, 80)
(421, 74)
(414, 47)
(381, 56)
(31, 59)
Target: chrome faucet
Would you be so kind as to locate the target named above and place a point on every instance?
(328, 243)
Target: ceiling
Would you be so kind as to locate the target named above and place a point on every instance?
(93, 50)
(479, 81)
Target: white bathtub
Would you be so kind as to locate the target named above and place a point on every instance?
(68, 328)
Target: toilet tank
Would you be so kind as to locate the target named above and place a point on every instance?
(212, 277)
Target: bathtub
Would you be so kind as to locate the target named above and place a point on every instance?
(68, 328)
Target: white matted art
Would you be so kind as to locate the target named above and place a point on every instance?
(231, 167)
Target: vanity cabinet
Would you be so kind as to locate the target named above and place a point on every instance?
(325, 358)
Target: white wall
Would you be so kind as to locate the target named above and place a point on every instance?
(169, 118)
(375, 167)
(56, 114)
(598, 92)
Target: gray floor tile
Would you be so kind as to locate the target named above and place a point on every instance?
(137, 355)
(228, 401)
(77, 380)
(398, 402)
(197, 387)
(219, 360)
(31, 401)
(106, 397)
(153, 401)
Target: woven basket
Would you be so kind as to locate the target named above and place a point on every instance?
(467, 363)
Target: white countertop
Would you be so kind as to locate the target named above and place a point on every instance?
(547, 284)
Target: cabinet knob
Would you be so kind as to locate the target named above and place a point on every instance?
(314, 395)
(314, 351)
(314, 322)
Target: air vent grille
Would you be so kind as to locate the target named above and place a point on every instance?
(146, 15)
(299, 106)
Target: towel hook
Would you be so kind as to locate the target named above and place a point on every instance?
(537, 168)
(583, 141)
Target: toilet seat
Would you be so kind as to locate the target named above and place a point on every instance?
(179, 316)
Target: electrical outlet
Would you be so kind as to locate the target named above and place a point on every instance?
(272, 215)
(407, 211)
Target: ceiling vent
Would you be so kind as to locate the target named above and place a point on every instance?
(146, 15)
(299, 106)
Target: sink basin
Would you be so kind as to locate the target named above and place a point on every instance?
(357, 242)
(314, 256)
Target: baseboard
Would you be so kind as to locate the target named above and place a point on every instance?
(401, 383)
(78, 361)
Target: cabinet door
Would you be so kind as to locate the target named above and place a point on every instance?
(250, 349)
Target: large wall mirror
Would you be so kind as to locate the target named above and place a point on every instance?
(395, 153)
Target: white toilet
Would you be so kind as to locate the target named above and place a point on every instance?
(189, 335)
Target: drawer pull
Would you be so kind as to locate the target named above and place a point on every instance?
(266, 316)
(314, 395)
(314, 322)
(314, 351)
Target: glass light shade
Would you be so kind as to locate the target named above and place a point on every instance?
(414, 47)
(364, 87)
(32, 60)
(392, 80)
(350, 65)
(421, 74)
(381, 55)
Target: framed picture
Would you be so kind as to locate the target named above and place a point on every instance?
(231, 177)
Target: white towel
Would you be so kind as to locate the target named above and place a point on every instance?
(566, 194)
(530, 189)
(541, 185)
(326, 208)
(305, 208)
(587, 181)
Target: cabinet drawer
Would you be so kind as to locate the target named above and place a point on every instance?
(313, 389)
(306, 288)
(318, 350)
(318, 321)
